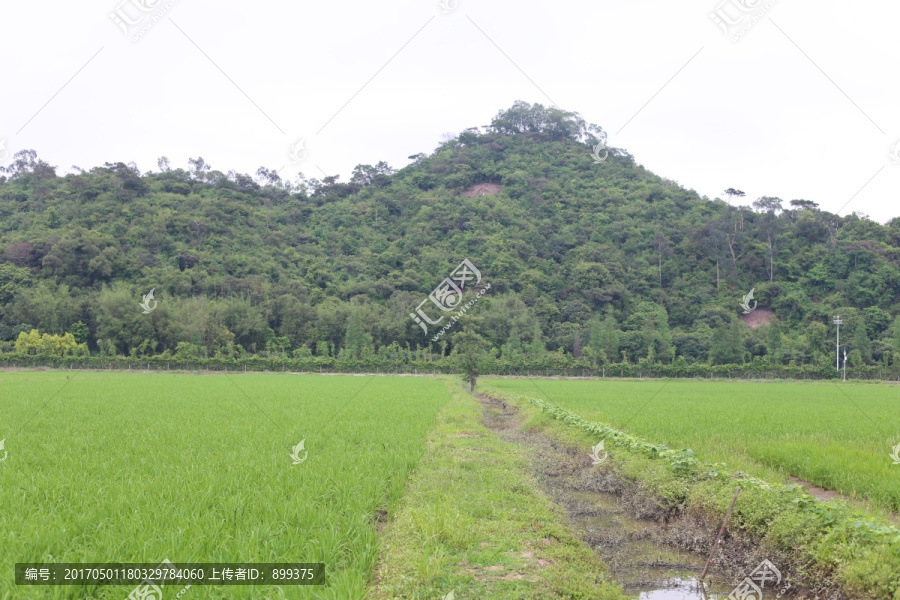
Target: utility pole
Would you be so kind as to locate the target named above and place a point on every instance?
(845, 365)
(837, 359)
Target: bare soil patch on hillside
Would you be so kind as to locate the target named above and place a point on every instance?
(760, 316)
(482, 189)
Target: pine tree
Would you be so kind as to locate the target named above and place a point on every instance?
(774, 342)
(513, 345)
(537, 349)
(595, 335)
(650, 335)
(896, 341)
(727, 344)
(736, 340)
(657, 336)
(356, 339)
(595, 342)
(665, 350)
(862, 343)
(610, 336)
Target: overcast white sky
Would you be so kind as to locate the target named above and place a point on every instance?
(804, 105)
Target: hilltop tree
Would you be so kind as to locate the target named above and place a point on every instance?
(804, 205)
(733, 193)
(199, 167)
(524, 118)
(769, 206)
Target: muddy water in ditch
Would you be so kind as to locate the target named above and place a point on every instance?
(647, 569)
(641, 553)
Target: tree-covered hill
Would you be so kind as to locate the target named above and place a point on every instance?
(599, 257)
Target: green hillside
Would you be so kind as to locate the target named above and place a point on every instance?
(599, 258)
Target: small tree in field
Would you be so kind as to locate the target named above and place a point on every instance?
(470, 354)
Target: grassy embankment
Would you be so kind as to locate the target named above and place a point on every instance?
(473, 522)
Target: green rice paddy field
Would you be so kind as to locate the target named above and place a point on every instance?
(837, 436)
(131, 467)
(142, 467)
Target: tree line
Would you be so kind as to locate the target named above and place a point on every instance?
(602, 263)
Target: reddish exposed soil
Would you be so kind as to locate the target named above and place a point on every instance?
(760, 316)
(482, 189)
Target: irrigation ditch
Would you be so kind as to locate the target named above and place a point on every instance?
(655, 552)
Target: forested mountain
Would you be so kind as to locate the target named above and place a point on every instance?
(595, 255)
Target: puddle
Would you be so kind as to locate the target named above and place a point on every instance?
(642, 555)
(645, 568)
(688, 590)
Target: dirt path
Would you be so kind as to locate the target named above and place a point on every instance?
(654, 552)
(823, 494)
